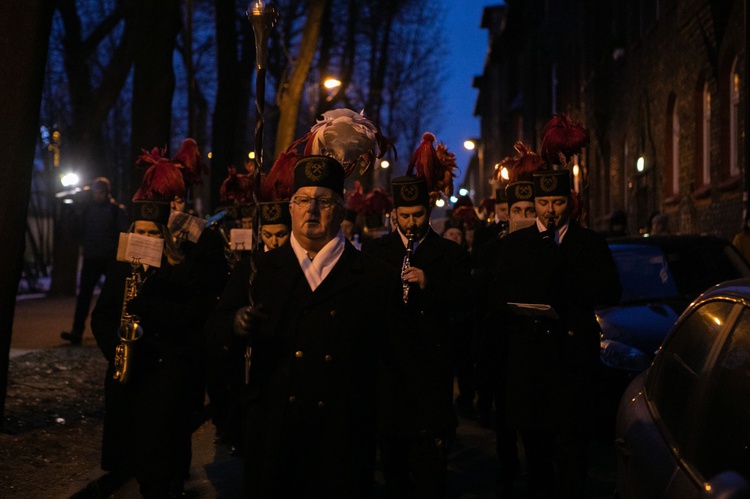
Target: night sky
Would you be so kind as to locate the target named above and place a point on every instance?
(468, 48)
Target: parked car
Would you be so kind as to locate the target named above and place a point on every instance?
(683, 425)
(660, 276)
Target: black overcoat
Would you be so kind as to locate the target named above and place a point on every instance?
(147, 421)
(309, 404)
(417, 363)
(553, 363)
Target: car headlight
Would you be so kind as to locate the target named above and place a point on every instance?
(621, 356)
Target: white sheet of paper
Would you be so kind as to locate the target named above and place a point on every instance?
(142, 249)
(186, 226)
(241, 239)
(521, 223)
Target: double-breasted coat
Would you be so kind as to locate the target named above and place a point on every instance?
(309, 403)
(553, 363)
(417, 363)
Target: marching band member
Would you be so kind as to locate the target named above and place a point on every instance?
(416, 422)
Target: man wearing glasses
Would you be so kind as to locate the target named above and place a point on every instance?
(309, 399)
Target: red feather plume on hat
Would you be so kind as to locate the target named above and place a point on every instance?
(377, 202)
(237, 188)
(191, 160)
(466, 215)
(436, 165)
(277, 183)
(355, 198)
(526, 163)
(562, 139)
(162, 181)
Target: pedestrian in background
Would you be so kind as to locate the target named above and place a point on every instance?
(741, 240)
(100, 224)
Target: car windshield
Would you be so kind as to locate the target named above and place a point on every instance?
(644, 272)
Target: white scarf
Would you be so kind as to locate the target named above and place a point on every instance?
(317, 269)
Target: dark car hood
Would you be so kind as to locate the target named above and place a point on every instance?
(642, 326)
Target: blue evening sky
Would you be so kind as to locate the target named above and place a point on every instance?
(468, 45)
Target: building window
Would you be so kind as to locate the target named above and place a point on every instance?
(706, 137)
(672, 135)
(734, 108)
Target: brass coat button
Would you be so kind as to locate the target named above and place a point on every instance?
(328, 358)
(333, 313)
(299, 354)
(321, 404)
(570, 333)
(292, 399)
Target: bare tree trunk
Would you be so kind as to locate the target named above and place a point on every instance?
(25, 25)
(224, 149)
(290, 100)
(155, 26)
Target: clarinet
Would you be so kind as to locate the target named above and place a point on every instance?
(550, 231)
(410, 238)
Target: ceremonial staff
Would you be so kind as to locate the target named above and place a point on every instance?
(262, 17)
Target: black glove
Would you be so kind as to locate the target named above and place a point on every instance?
(247, 320)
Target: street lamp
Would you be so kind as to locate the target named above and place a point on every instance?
(470, 144)
(385, 164)
(69, 179)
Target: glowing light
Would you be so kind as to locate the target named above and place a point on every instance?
(69, 179)
(210, 155)
(439, 203)
(640, 165)
(454, 199)
(331, 83)
(717, 321)
(576, 170)
(470, 145)
(251, 155)
(385, 164)
(463, 191)
(68, 201)
(504, 173)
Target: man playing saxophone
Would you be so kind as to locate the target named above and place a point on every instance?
(147, 426)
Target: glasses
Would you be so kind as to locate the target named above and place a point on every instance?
(322, 203)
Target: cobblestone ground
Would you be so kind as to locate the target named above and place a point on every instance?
(51, 437)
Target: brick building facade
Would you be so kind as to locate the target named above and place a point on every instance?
(659, 80)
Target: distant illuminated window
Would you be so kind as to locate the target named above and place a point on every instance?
(734, 105)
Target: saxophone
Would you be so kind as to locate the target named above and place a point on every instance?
(410, 238)
(129, 331)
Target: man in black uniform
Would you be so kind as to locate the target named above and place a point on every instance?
(416, 421)
(310, 395)
(553, 355)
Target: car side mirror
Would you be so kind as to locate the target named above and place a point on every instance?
(727, 485)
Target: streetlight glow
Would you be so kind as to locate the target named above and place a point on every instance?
(463, 191)
(440, 203)
(331, 83)
(251, 155)
(385, 164)
(69, 179)
(454, 199)
(470, 145)
(640, 165)
(504, 173)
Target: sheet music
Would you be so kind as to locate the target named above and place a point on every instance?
(241, 239)
(186, 226)
(143, 249)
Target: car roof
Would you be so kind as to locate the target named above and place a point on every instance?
(668, 240)
(737, 288)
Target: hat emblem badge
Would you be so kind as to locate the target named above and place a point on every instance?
(271, 212)
(548, 183)
(409, 192)
(523, 191)
(149, 211)
(314, 170)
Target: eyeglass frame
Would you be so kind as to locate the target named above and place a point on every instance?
(324, 203)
